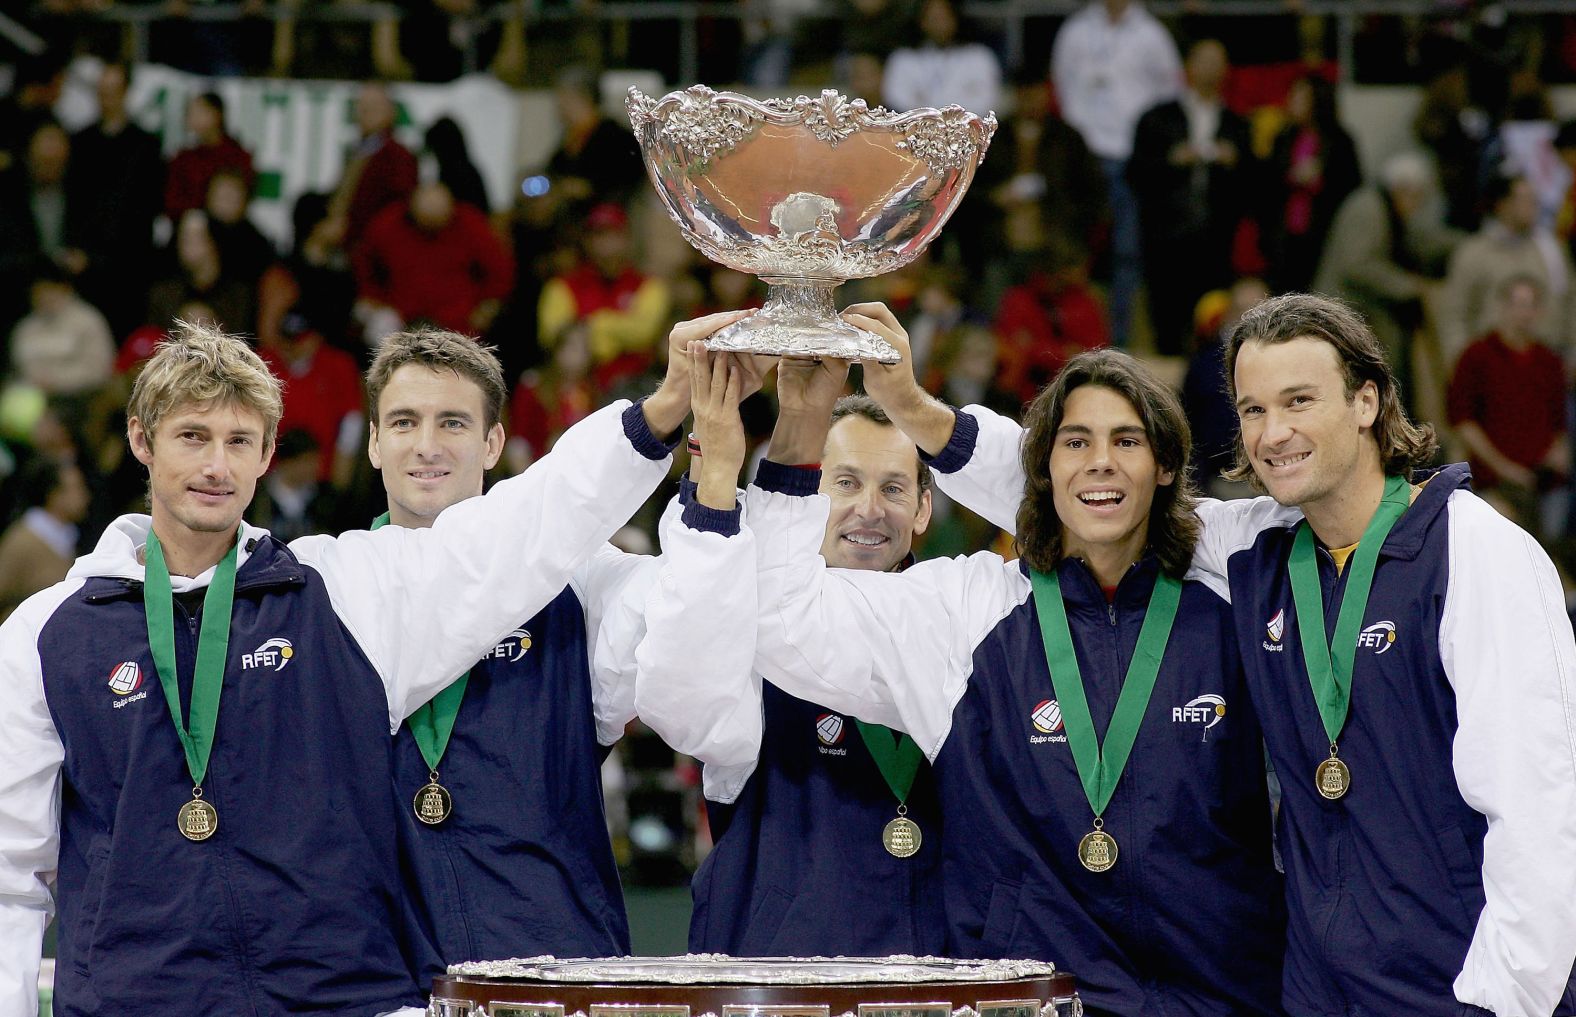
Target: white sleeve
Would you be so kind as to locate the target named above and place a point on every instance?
(425, 604)
(1165, 67)
(985, 477)
(1229, 527)
(899, 89)
(1067, 56)
(982, 469)
(31, 755)
(982, 91)
(696, 685)
(889, 648)
(1507, 648)
(612, 589)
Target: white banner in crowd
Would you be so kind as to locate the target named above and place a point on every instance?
(301, 132)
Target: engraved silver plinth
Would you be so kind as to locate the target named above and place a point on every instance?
(721, 969)
(806, 194)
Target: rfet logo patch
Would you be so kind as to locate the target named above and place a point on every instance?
(126, 678)
(274, 653)
(1378, 637)
(829, 728)
(1206, 710)
(512, 648)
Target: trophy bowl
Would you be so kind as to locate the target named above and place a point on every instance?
(806, 193)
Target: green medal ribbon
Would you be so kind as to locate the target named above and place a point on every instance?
(897, 758)
(1100, 766)
(1330, 664)
(213, 648)
(433, 722)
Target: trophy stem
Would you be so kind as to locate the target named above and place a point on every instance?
(799, 319)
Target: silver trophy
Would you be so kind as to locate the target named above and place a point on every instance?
(806, 193)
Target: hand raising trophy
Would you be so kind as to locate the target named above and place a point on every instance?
(806, 193)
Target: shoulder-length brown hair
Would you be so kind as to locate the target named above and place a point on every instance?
(1403, 445)
(1173, 528)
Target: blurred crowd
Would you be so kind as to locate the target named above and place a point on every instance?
(1149, 182)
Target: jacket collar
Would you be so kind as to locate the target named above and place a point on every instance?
(1080, 588)
(114, 566)
(1406, 540)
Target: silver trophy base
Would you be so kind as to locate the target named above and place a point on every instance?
(800, 320)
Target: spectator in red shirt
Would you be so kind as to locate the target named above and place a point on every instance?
(1507, 401)
(623, 313)
(381, 172)
(1045, 321)
(432, 259)
(322, 394)
(548, 401)
(186, 186)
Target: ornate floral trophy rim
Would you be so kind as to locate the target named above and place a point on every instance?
(808, 258)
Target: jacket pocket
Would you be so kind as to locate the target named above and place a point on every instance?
(1466, 873)
(85, 912)
(1001, 917)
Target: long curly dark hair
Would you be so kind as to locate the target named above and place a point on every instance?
(1173, 528)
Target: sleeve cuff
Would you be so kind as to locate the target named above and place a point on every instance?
(960, 447)
(709, 520)
(776, 478)
(687, 489)
(639, 434)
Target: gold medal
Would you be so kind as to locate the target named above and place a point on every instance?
(1097, 850)
(901, 837)
(197, 819)
(433, 804)
(1332, 778)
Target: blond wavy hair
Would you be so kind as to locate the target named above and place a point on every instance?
(200, 364)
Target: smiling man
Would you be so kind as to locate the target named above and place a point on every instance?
(806, 804)
(504, 835)
(1409, 653)
(1084, 707)
(239, 856)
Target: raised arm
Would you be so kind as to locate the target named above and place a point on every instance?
(696, 684)
(889, 648)
(1509, 654)
(424, 604)
(974, 452)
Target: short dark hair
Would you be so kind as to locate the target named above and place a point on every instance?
(1498, 187)
(439, 349)
(40, 477)
(1173, 527)
(861, 405)
(297, 441)
(1403, 445)
(215, 102)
